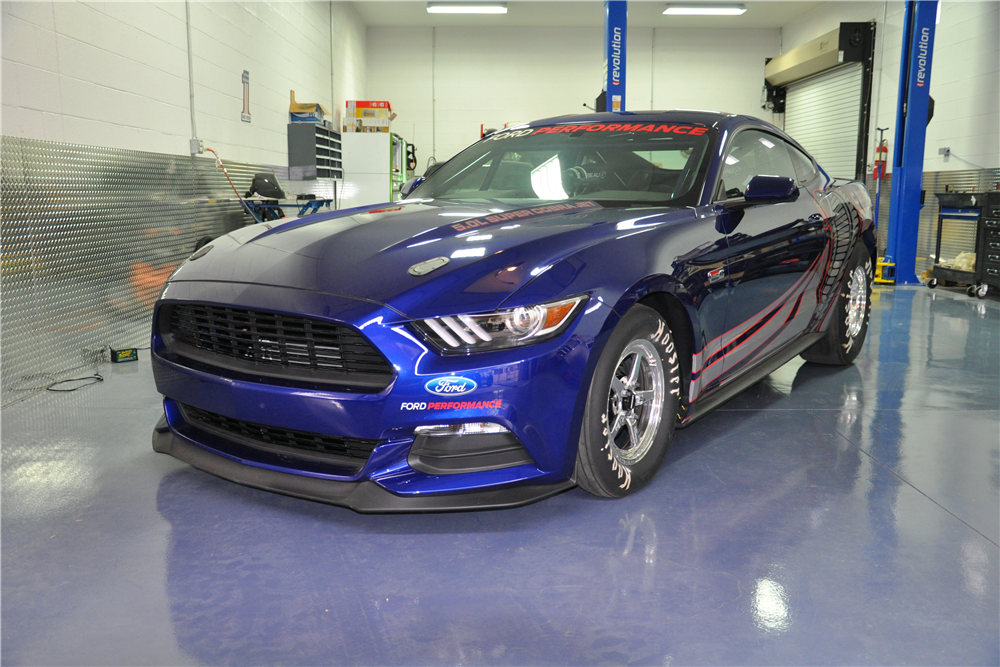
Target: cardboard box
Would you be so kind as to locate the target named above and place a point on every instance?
(367, 116)
(306, 112)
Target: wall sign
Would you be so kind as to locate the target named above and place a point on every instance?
(245, 116)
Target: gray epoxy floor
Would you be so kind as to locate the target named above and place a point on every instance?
(825, 516)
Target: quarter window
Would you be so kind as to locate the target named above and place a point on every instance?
(805, 170)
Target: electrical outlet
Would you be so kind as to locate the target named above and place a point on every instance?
(946, 151)
(197, 146)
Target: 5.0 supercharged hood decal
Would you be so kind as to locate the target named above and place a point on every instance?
(522, 214)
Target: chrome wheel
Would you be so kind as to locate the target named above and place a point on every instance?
(635, 402)
(857, 306)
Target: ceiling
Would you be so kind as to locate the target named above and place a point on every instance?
(572, 14)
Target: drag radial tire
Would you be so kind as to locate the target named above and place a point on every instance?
(631, 406)
(849, 324)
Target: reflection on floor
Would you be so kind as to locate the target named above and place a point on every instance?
(845, 516)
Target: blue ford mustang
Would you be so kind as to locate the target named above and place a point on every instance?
(541, 312)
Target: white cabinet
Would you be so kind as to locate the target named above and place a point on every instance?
(369, 173)
(367, 162)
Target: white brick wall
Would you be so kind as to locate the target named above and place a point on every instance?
(349, 56)
(965, 75)
(115, 73)
(722, 70)
(494, 76)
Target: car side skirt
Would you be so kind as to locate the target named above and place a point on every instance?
(751, 376)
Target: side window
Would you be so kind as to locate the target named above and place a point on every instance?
(805, 170)
(754, 153)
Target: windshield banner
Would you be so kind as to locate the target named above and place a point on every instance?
(651, 128)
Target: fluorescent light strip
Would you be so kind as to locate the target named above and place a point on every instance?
(466, 8)
(704, 10)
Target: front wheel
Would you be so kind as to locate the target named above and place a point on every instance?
(631, 407)
(846, 334)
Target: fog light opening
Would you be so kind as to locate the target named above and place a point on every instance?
(468, 428)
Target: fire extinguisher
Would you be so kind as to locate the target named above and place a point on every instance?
(878, 173)
(881, 154)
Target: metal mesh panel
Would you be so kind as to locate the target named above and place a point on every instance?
(957, 237)
(89, 235)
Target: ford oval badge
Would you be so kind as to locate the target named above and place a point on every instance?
(450, 386)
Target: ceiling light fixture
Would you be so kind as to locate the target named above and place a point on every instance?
(466, 7)
(704, 10)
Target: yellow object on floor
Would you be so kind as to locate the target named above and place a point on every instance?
(885, 272)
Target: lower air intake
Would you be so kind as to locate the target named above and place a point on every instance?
(352, 452)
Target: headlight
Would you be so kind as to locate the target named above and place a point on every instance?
(526, 325)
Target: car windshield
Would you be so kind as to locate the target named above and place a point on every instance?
(616, 164)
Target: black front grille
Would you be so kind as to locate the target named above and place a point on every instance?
(276, 345)
(289, 442)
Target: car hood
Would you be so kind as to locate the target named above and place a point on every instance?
(492, 249)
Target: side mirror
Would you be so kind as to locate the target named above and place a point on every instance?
(771, 189)
(409, 186)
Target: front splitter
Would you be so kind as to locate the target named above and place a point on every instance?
(365, 497)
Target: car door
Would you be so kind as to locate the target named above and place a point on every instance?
(776, 254)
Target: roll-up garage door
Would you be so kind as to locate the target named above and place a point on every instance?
(823, 114)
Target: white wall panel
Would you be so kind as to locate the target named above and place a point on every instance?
(349, 56)
(399, 70)
(115, 73)
(719, 70)
(494, 76)
(965, 75)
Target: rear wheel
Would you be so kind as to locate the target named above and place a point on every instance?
(631, 407)
(846, 335)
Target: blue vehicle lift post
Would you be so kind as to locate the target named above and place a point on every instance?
(615, 37)
(911, 132)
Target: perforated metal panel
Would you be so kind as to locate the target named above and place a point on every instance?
(957, 237)
(88, 237)
(823, 114)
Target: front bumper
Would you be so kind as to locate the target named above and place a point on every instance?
(363, 496)
(533, 392)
